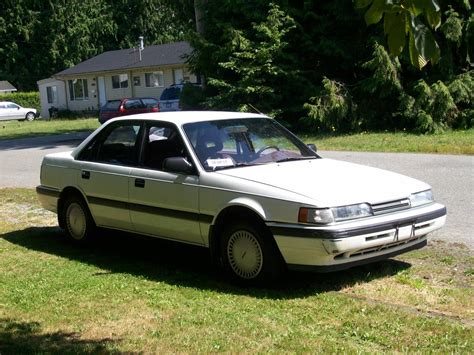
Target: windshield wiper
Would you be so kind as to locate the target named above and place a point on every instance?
(293, 159)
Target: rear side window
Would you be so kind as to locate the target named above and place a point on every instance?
(112, 105)
(118, 145)
(133, 104)
(150, 103)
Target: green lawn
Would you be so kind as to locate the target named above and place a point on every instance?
(130, 294)
(454, 142)
(24, 129)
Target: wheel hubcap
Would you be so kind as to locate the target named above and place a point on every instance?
(76, 221)
(245, 254)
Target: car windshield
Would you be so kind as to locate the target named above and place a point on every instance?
(225, 144)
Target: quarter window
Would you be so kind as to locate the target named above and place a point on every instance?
(120, 81)
(78, 89)
(154, 80)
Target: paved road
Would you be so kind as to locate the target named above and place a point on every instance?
(451, 176)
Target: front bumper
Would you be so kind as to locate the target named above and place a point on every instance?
(343, 245)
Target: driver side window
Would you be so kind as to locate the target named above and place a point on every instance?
(162, 141)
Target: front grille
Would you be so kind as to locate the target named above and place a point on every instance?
(372, 250)
(392, 206)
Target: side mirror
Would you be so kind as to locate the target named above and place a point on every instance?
(178, 165)
(312, 147)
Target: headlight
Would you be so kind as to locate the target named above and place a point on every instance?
(334, 214)
(421, 198)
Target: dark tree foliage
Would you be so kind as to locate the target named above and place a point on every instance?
(40, 38)
(317, 66)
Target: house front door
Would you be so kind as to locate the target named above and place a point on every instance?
(102, 96)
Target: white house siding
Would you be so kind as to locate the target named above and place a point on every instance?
(114, 94)
(60, 101)
(142, 90)
(91, 103)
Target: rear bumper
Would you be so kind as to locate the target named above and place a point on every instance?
(343, 245)
(48, 197)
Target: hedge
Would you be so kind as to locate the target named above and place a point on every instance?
(25, 99)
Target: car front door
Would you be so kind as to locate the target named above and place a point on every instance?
(106, 164)
(163, 203)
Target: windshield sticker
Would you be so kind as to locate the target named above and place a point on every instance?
(216, 163)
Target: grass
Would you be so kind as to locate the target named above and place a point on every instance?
(130, 294)
(23, 129)
(453, 142)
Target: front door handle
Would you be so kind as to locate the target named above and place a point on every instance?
(85, 174)
(140, 183)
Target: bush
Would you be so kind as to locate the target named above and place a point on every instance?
(25, 99)
(73, 115)
(191, 97)
(331, 109)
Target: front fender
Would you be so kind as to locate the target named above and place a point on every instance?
(249, 203)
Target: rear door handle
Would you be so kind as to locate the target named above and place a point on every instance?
(140, 183)
(85, 174)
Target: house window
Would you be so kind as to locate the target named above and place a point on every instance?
(120, 81)
(78, 89)
(52, 94)
(154, 80)
(136, 81)
(178, 76)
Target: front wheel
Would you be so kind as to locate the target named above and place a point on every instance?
(30, 116)
(78, 223)
(249, 254)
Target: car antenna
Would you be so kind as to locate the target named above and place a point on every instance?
(255, 109)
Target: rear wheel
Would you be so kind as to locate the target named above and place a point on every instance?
(78, 222)
(249, 254)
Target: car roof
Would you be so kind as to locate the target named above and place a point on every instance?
(183, 117)
(8, 102)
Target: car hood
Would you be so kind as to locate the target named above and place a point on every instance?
(330, 182)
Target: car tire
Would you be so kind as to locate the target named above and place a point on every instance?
(30, 116)
(77, 220)
(249, 254)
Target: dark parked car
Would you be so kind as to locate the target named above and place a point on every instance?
(170, 99)
(128, 106)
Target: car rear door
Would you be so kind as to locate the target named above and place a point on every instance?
(105, 170)
(164, 204)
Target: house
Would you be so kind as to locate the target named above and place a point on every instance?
(6, 87)
(135, 72)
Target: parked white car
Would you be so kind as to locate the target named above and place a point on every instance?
(12, 111)
(241, 185)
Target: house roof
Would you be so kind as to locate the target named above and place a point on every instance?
(6, 86)
(126, 59)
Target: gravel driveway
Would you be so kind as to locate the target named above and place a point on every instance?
(451, 176)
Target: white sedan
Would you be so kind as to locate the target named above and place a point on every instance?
(241, 185)
(12, 111)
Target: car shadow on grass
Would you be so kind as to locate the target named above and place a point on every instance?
(186, 265)
(19, 337)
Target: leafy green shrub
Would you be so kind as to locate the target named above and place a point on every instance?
(73, 115)
(25, 99)
(191, 97)
(331, 109)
